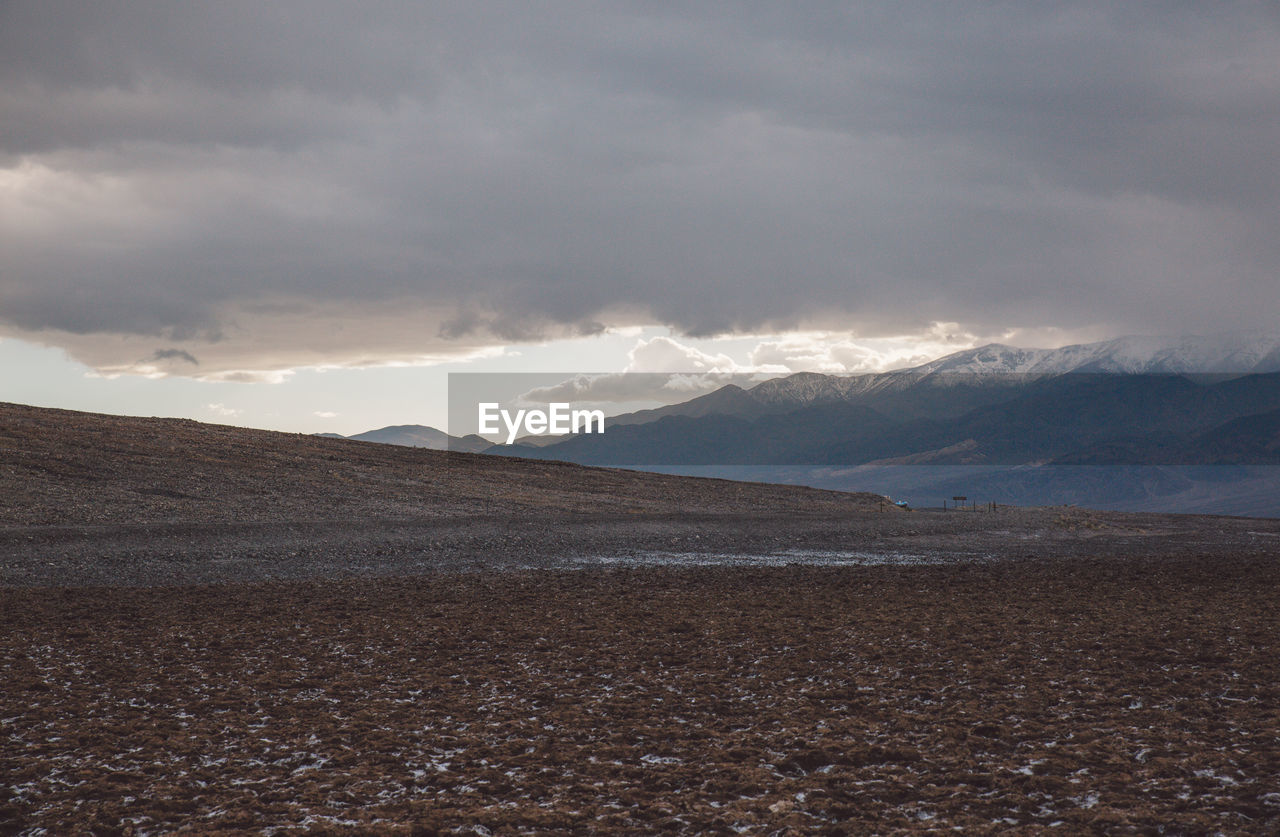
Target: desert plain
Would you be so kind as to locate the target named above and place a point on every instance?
(211, 630)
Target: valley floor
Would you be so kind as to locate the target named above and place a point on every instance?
(1117, 694)
(184, 553)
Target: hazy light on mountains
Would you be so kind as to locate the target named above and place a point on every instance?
(224, 188)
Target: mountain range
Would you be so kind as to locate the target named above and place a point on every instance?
(1071, 418)
(1174, 424)
(1192, 423)
(1232, 353)
(418, 436)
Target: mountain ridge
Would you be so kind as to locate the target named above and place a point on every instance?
(1232, 353)
(416, 436)
(976, 376)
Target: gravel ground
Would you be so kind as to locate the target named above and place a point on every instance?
(109, 500)
(216, 631)
(202, 553)
(1117, 696)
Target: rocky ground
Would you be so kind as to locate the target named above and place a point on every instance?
(213, 630)
(1118, 695)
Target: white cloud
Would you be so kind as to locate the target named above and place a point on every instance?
(632, 388)
(664, 369)
(659, 369)
(664, 354)
(223, 410)
(325, 414)
(835, 353)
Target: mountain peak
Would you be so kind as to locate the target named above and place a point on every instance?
(993, 357)
(1233, 353)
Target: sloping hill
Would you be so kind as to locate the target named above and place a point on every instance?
(418, 436)
(409, 435)
(1249, 440)
(65, 467)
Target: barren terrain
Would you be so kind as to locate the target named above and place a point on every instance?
(213, 630)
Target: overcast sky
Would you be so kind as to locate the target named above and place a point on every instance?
(233, 190)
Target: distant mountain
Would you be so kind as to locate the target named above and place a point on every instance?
(952, 385)
(1130, 423)
(791, 437)
(730, 399)
(1247, 440)
(1075, 418)
(1234, 354)
(1125, 423)
(409, 435)
(418, 436)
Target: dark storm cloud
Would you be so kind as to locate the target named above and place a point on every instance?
(174, 354)
(176, 170)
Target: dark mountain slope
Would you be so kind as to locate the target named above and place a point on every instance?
(1075, 419)
(65, 467)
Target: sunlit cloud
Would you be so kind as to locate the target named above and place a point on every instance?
(667, 369)
(223, 410)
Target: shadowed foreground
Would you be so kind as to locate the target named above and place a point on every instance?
(1120, 694)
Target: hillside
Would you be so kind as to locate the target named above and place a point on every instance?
(65, 467)
(417, 436)
(88, 500)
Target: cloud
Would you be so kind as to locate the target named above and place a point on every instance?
(262, 185)
(602, 390)
(326, 414)
(250, 376)
(174, 354)
(658, 369)
(845, 353)
(664, 354)
(666, 370)
(223, 410)
(267, 342)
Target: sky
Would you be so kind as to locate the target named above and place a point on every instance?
(304, 215)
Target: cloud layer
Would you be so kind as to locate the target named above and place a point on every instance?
(213, 188)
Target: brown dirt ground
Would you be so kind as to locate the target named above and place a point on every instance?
(1118, 695)
(393, 640)
(61, 467)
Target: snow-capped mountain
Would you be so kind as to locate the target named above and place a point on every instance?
(934, 389)
(1235, 353)
(999, 365)
(815, 387)
(997, 421)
